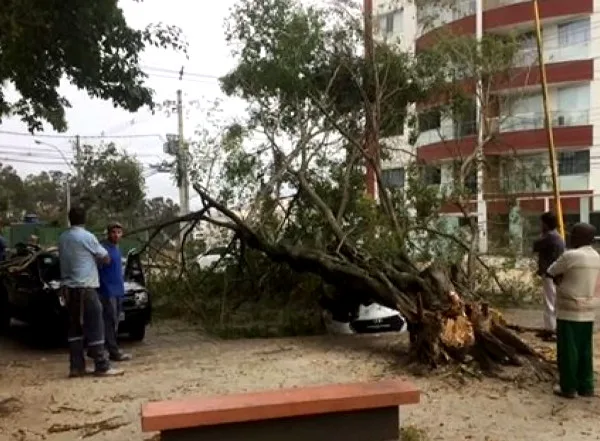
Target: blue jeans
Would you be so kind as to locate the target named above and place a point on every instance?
(85, 322)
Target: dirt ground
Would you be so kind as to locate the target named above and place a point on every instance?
(37, 402)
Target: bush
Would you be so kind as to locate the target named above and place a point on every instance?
(256, 299)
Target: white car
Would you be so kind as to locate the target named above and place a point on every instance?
(212, 257)
(372, 318)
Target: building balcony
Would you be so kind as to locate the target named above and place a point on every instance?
(517, 133)
(448, 131)
(500, 16)
(535, 121)
(529, 57)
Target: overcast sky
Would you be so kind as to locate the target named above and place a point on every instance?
(209, 58)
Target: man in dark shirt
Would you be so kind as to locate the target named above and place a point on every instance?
(549, 247)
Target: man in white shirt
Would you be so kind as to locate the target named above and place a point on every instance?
(576, 273)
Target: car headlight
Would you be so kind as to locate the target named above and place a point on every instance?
(141, 297)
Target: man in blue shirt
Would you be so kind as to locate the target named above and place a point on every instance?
(79, 251)
(112, 290)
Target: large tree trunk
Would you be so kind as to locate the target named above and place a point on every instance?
(443, 328)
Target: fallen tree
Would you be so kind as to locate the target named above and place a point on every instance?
(444, 328)
(310, 93)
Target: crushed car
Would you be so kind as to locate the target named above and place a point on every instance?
(30, 292)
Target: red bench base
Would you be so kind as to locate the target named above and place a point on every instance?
(363, 425)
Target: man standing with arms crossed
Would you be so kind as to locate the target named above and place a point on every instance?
(576, 274)
(79, 252)
(112, 290)
(549, 248)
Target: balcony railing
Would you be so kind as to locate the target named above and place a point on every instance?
(458, 130)
(529, 57)
(533, 121)
(510, 123)
(439, 16)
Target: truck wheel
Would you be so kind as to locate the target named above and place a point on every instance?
(137, 332)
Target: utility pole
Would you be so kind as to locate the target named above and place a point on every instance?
(67, 198)
(481, 204)
(78, 157)
(371, 111)
(548, 121)
(182, 159)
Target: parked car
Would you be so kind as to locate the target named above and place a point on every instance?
(368, 319)
(216, 258)
(30, 292)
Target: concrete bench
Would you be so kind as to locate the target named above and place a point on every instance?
(348, 412)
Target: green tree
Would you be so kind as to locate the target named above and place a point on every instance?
(110, 183)
(46, 195)
(88, 43)
(12, 194)
(291, 185)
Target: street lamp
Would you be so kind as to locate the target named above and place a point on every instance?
(68, 176)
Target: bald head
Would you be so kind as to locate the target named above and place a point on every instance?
(582, 235)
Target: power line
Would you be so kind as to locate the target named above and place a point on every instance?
(31, 150)
(48, 135)
(25, 161)
(186, 74)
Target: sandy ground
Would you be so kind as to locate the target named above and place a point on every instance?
(37, 402)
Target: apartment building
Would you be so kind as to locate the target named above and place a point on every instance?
(395, 22)
(514, 194)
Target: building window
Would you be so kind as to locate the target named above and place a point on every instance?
(432, 175)
(391, 22)
(471, 182)
(465, 120)
(467, 221)
(528, 49)
(574, 163)
(430, 120)
(470, 179)
(595, 221)
(393, 178)
(573, 33)
(392, 125)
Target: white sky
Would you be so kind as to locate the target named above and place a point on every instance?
(209, 58)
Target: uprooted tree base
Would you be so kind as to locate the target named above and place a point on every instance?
(443, 328)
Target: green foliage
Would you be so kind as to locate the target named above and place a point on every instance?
(111, 181)
(111, 186)
(89, 43)
(303, 60)
(258, 299)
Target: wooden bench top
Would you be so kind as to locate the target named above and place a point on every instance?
(283, 403)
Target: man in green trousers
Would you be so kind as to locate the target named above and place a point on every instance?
(576, 273)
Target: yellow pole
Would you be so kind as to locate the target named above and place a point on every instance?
(548, 121)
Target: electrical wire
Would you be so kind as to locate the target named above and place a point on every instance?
(57, 136)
